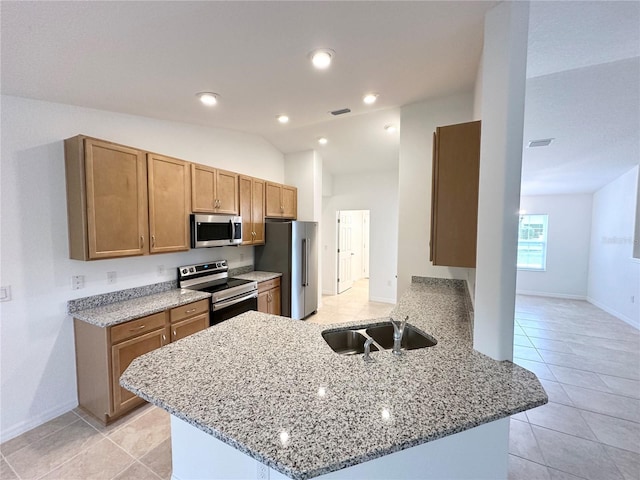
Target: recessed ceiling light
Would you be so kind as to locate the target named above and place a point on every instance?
(283, 118)
(321, 58)
(543, 142)
(370, 98)
(390, 128)
(208, 98)
(322, 141)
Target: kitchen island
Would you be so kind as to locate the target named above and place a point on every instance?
(268, 388)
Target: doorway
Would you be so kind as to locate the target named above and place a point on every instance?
(353, 247)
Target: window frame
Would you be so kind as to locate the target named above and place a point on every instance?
(544, 243)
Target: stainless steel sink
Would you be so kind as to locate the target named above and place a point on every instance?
(351, 341)
(411, 338)
(346, 342)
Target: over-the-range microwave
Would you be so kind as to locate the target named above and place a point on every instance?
(215, 230)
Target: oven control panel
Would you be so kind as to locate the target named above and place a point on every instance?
(217, 266)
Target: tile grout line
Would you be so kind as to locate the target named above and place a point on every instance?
(10, 466)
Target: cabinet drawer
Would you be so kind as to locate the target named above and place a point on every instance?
(268, 285)
(189, 310)
(137, 327)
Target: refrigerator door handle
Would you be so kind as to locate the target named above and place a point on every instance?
(304, 262)
(306, 270)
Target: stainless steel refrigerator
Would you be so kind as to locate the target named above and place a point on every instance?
(291, 248)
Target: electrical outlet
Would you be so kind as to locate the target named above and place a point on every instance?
(633, 299)
(263, 471)
(161, 271)
(5, 293)
(111, 277)
(77, 282)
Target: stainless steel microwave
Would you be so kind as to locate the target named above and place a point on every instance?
(215, 230)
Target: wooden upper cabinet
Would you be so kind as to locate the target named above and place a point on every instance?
(454, 196)
(281, 201)
(169, 202)
(252, 210)
(106, 199)
(213, 190)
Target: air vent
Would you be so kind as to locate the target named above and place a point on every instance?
(341, 112)
(544, 142)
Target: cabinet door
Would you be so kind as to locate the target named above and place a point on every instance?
(246, 208)
(122, 354)
(169, 197)
(257, 211)
(226, 192)
(289, 202)
(455, 195)
(263, 302)
(187, 327)
(116, 186)
(273, 200)
(203, 179)
(275, 308)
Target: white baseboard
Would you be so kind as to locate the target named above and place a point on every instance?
(382, 300)
(34, 422)
(567, 296)
(613, 312)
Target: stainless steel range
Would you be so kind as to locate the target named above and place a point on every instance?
(229, 296)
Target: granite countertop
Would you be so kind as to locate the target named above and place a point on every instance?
(119, 312)
(258, 276)
(255, 376)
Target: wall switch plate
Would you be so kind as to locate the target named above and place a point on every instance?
(77, 282)
(112, 277)
(5, 293)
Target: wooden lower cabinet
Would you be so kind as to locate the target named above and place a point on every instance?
(269, 297)
(104, 353)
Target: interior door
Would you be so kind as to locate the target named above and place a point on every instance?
(345, 251)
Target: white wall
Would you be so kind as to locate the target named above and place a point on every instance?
(418, 122)
(378, 193)
(503, 88)
(304, 171)
(568, 240)
(614, 276)
(36, 335)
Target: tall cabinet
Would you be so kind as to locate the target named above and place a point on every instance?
(454, 195)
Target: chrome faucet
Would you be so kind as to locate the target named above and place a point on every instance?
(367, 350)
(398, 331)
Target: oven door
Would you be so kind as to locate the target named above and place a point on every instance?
(227, 309)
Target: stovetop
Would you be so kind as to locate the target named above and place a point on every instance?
(230, 283)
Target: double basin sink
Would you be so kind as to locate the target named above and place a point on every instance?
(351, 341)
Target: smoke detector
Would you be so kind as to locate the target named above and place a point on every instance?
(543, 142)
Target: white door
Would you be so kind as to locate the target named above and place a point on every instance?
(345, 252)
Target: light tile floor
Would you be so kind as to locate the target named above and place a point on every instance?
(589, 363)
(587, 360)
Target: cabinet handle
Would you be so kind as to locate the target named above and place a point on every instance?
(137, 328)
(141, 241)
(174, 334)
(164, 338)
(153, 240)
(190, 311)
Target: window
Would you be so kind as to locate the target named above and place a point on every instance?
(532, 242)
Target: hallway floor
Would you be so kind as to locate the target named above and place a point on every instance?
(587, 360)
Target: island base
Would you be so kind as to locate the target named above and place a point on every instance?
(478, 453)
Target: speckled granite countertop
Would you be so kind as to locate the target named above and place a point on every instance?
(114, 313)
(250, 378)
(258, 276)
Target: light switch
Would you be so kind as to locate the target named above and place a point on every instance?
(5, 293)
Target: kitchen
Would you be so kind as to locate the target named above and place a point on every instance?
(40, 356)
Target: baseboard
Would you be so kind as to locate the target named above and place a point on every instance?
(613, 312)
(382, 300)
(34, 422)
(567, 296)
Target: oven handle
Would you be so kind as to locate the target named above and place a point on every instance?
(233, 301)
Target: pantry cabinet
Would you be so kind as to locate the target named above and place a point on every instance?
(454, 195)
(252, 191)
(122, 201)
(269, 296)
(213, 190)
(104, 353)
(281, 201)
(169, 182)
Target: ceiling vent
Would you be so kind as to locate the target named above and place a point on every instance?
(544, 142)
(341, 112)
